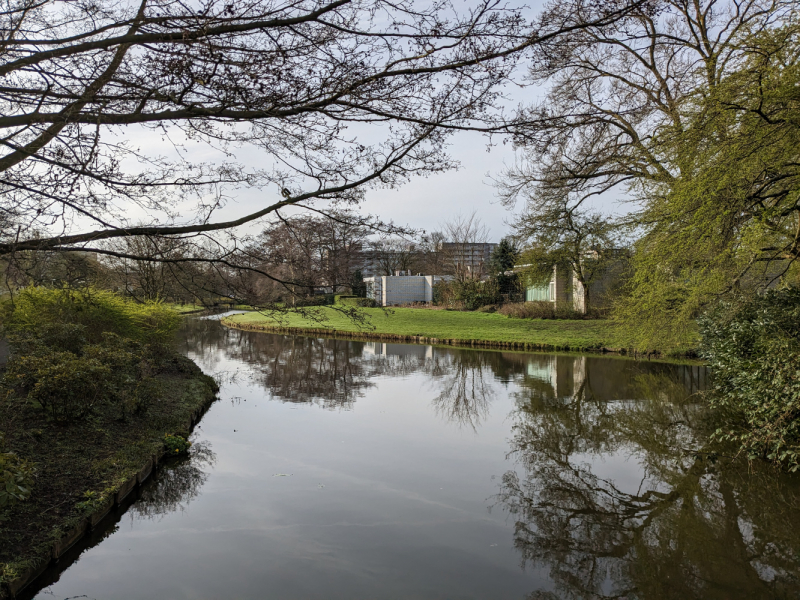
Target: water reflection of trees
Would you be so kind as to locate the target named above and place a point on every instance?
(178, 483)
(334, 373)
(465, 383)
(694, 524)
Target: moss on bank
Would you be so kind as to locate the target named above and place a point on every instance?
(81, 465)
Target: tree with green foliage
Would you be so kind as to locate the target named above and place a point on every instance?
(753, 348)
(504, 257)
(557, 234)
(357, 285)
(676, 106)
(501, 267)
(729, 223)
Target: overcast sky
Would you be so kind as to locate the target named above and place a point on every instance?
(426, 202)
(423, 203)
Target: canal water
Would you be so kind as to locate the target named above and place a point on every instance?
(361, 470)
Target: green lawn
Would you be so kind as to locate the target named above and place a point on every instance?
(186, 308)
(447, 325)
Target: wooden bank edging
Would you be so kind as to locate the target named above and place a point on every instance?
(89, 523)
(419, 339)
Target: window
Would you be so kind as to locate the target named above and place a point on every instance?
(538, 293)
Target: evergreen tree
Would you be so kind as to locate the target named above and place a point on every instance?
(501, 264)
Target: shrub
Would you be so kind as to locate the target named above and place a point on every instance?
(753, 349)
(69, 384)
(16, 478)
(98, 311)
(62, 383)
(175, 444)
(540, 310)
(355, 301)
(469, 294)
(137, 398)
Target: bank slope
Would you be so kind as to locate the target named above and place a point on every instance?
(440, 326)
(85, 468)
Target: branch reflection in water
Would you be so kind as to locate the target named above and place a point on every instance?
(614, 486)
(179, 482)
(695, 523)
(335, 373)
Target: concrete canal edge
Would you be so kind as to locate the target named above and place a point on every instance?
(88, 524)
(419, 339)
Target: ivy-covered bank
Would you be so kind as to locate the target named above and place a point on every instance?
(92, 397)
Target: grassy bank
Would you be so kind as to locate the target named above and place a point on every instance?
(90, 391)
(79, 467)
(471, 328)
(185, 309)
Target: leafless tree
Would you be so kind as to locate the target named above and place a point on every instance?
(431, 259)
(73, 269)
(612, 88)
(155, 276)
(311, 254)
(82, 81)
(464, 252)
(390, 254)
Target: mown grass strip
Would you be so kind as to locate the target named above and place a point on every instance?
(470, 328)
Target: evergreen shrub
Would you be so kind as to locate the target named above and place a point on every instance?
(75, 350)
(98, 311)
(753, 349)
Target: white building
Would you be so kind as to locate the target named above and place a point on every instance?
(403, 289)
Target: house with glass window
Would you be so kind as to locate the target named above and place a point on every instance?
(564, 288)
(557, 290)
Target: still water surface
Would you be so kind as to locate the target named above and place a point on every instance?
(340, 469)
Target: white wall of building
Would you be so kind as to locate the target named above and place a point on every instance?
(392, 291)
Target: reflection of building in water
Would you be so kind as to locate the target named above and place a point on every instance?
(564, 374)
(605, 379)
(381, 349)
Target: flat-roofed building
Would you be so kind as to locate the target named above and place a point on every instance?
(403, 289)
(468, 258)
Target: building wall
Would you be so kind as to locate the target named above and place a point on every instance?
(392, 291)
(557, 290)
(604, 288)
(473, 256)
(374, 288)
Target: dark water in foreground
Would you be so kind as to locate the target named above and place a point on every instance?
(339, 469)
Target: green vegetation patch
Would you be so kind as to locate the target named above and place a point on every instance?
(753, 348)
(447, 325)
(92, 391)
(184, 309)
(97, 311)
